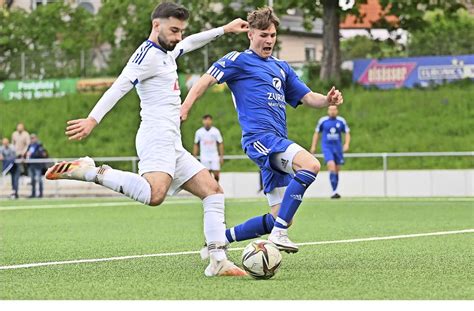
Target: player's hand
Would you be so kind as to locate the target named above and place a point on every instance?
(334, 97)
(184, 113)
(238, 25)
(80, 128)
(345, 148)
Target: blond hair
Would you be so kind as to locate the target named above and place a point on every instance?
(262, 18)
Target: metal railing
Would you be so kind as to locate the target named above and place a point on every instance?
(383, 155)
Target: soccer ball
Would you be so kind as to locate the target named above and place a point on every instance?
(261, 259)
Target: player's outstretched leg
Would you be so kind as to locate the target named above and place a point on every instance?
(132, 185)
(204, 186)
(306, 168)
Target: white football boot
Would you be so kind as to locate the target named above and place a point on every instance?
(281, 240)
(223, 267)
(75, 170)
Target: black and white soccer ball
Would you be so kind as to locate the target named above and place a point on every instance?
(261, 259)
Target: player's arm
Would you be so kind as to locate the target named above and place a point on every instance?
(81, 128)
(199, 40)
(195, 150)
(314, 142)
(221, 152)
(316, 100)
(347, 141)
(198, 89)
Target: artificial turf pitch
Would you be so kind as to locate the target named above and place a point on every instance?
(425, 267)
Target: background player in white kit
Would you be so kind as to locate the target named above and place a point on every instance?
(165, 166)
(208, 143)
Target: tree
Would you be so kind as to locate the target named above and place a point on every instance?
(410, 15)
(442, 35)
(51, 38)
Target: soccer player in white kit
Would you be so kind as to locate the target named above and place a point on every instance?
(165, 166)
(208, 143)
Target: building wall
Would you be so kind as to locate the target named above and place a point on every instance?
(292, 47)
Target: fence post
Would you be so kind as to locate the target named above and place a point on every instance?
(82, 64)
(385, 168)
(23, 65)
(134, 165)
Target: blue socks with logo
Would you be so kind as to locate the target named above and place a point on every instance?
(293, 197)
(252, 228)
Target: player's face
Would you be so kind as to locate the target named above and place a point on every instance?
(263, 41)
(5, 142)
(207, 123)
(170, 32)
(332, 111)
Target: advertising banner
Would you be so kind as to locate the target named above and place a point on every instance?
(34, 89)
(410, 72)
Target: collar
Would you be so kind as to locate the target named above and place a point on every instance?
(157, 46)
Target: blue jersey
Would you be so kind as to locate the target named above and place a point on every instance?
(331, 129)
(261, 89)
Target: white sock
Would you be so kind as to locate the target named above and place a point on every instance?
(276, 230)
(214, 225)
(132, 185)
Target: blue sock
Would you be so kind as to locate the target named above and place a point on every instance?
(252, 228)
(333, 177)
(293, 197)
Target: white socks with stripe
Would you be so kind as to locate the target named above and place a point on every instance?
(214, 225)
(132, 185)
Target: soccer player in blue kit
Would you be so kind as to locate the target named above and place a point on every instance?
(331, 128)
(262, 86)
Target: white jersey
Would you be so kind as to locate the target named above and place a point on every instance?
(208, 140)
(153, 71)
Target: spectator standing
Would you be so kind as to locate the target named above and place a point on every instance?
(36, 151)
(8, 157)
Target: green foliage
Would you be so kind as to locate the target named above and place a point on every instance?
(381, 121)
(365, 47)
(51, 38)
(444, 34)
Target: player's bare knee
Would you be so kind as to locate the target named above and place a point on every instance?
(157, 197)
(312, 166)
(216, 188)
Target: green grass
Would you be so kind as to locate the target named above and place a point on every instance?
(436, 267)
(381, 121)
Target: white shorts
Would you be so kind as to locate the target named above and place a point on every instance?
(284, 162)
(158, 154)
(211, 163)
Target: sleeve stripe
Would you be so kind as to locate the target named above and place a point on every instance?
(234, 57)
(219, 76)
(210, 69)
(139, 53)
(230, 55)
(215, 73)
(142, 55)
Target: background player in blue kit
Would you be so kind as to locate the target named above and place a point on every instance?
(331, 128)
(262, 86)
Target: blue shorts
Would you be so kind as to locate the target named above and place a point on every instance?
(260, 152)
(333, 154)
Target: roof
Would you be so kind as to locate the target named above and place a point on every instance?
(370, 12)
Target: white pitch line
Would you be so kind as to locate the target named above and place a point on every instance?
(66, 262)
(106, 204)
